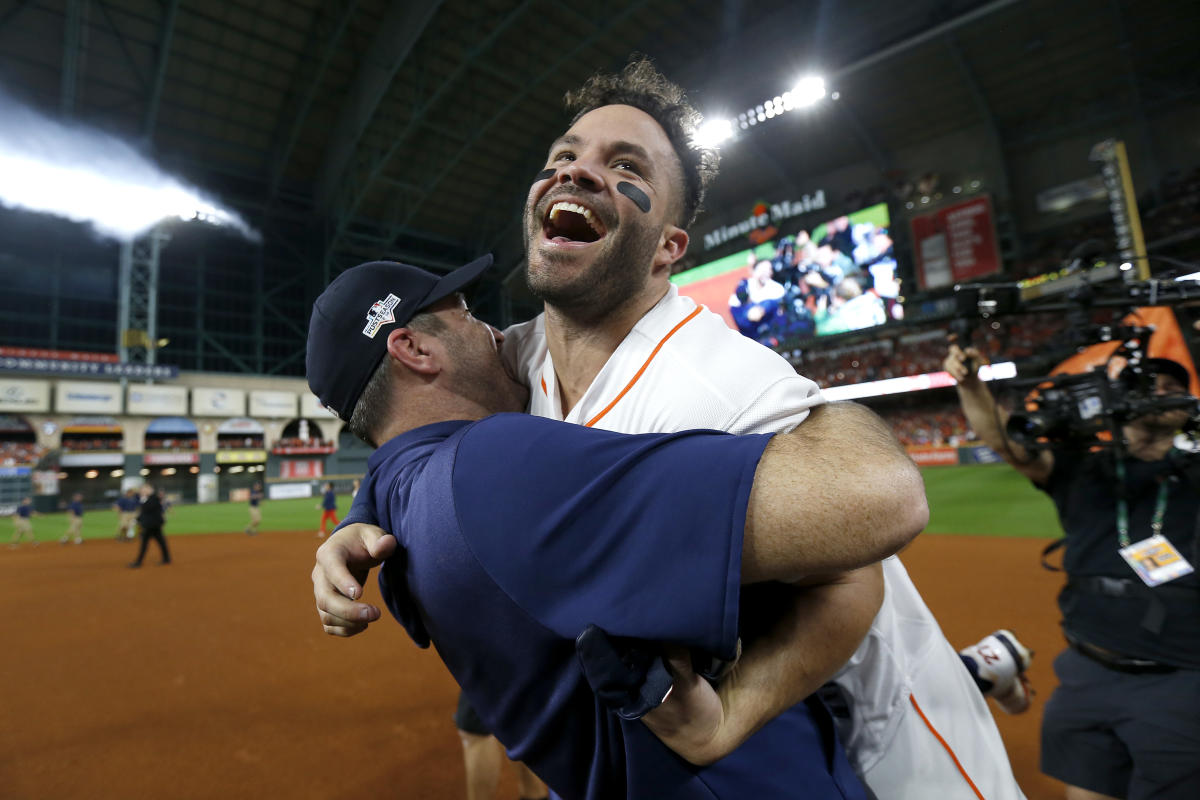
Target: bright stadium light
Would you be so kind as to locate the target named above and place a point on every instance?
(90, 176)
(808, 90)
(712, 132)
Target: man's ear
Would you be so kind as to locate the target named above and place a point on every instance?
(671, 247)
(413, 349)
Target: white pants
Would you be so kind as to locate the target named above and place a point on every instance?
(972, 763)
(896, 751)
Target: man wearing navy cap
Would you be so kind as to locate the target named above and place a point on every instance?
(530, 524)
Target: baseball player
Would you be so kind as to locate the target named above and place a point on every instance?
(22, 524)
(328, 508)
(477, 531)
(619, 348)
(127, 508)
(74, 521)
(256, 497)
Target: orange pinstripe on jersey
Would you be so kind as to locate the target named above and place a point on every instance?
(938, 736)
(638, 374)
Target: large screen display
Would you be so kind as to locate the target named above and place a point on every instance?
(840, 276)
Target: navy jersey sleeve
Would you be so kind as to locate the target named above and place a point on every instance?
(640, 535)
(361, 511)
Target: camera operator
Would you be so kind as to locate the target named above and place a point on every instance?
(1125, 720)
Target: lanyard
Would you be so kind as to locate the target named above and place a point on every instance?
(1160, 508)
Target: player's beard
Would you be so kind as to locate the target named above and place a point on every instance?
(618, 272)
(479, 374)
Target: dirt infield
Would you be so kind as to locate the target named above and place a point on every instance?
(211, 677)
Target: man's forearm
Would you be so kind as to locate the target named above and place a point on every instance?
(836, 494)
(982, 413)
(814, 636)
(814, 631)
(988, 421)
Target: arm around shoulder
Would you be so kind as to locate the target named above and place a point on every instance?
(837, 493)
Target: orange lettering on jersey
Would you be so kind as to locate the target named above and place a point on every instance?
(638, 375)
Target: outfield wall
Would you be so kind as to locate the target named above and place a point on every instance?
(945, 455)
(238, 427)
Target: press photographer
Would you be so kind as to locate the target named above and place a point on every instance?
(1124, 721)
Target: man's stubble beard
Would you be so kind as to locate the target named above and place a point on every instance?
(616, 275)
(483, 379)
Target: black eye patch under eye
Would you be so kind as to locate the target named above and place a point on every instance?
(546, 173)
(639, 198)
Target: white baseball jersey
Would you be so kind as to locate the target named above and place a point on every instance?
(681, 367)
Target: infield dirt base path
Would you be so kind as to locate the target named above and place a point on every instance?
(211, 677)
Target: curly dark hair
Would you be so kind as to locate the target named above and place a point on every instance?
(642, 86)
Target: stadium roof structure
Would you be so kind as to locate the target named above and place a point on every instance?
(350, 130)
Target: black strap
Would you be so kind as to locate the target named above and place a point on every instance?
(1050, 548)
(1156, 610)
(1133, 666)
(1128, 587)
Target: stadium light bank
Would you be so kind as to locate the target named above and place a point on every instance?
(90, 176)
(808, 91)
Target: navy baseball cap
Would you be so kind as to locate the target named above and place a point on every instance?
(351, 320)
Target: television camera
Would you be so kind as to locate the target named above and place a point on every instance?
(1088, 409)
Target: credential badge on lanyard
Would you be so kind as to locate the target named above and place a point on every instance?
(1155, 560)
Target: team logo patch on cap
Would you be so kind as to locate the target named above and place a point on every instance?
(380, 314)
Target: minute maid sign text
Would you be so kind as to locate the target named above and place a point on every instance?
(777, 212)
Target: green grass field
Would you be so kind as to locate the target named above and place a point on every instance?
(987, 500)
(277, 515)
(981, 500)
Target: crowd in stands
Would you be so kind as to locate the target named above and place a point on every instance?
(934, 425)
(255, 442)
(921, 351)
(298, 443)
(111, 443)
(1178, 210)
(20, 454)
(173, 443)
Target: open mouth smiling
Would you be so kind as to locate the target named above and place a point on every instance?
(571, 223)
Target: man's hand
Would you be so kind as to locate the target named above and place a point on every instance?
(690, 720)
(963, 365)
(343, 563)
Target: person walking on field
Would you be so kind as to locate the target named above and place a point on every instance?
(22, 524)
(328, 506)
(150, 521)
(256, 497)
(127, 508)
(75, 524)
